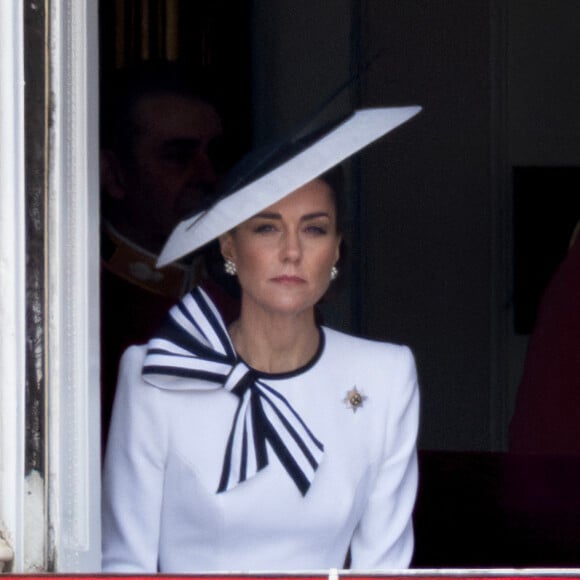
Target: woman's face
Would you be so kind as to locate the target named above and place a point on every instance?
(284, 254)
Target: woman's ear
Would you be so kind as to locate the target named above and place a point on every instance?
(338, 244)
(227, 246)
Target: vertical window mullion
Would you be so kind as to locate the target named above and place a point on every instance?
(12, 297)
(73, 288)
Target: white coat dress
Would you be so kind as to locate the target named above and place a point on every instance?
(165, 456)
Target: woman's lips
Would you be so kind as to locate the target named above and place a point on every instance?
(288, 280)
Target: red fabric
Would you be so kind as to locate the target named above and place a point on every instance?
(547, 414)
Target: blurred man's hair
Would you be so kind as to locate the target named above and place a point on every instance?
(122, 90)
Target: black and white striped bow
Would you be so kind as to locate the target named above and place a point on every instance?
(194, 344)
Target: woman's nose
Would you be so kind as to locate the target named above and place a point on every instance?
(291, 246)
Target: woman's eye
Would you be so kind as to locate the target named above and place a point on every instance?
(317, 230)
(264, 228)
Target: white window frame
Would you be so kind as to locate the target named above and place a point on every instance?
(73, 287)
(12, 258)
(68, 499)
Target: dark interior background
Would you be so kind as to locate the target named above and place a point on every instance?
(446, 215)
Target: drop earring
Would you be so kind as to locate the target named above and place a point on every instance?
(333, 273)
(230, 267)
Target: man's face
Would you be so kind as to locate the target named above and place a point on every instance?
(169, 170)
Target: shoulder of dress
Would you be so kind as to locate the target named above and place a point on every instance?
(371, 361)
(365, 346)
(130, 386)
(131, 364)
(134, 355)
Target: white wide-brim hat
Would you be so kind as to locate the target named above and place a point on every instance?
(295, 164)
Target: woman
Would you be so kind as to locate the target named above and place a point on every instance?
(274, 444)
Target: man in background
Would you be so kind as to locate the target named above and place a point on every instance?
(161, 154)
